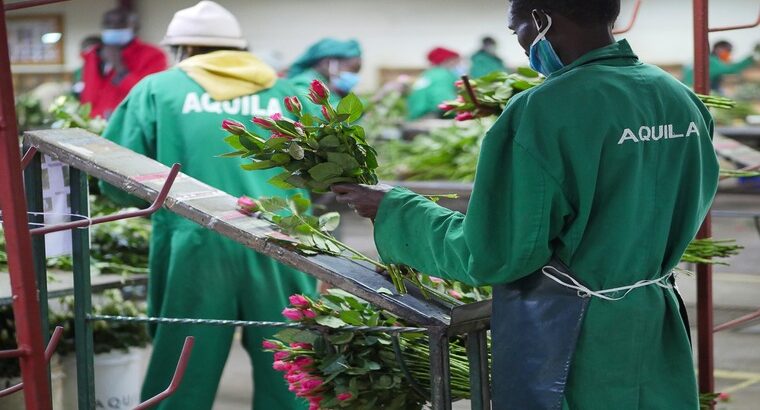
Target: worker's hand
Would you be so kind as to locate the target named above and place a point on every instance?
(364, 199)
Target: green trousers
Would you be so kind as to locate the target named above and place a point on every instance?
(196, 273)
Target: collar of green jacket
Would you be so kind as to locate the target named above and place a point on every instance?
(617, 50)
(229, 74)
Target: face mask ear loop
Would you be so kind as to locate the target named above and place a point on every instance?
(542, 34)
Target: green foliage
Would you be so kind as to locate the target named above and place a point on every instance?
(70, 113)
(29, 113)
(315, 153)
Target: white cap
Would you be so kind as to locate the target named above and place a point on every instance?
(206, 24)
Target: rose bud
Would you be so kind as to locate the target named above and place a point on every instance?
(325, 113)
(262, 122)
(318, 92)
(277, 116)
(292, 314)
(464, 116)
(233, 127)
(299, 301)
(247, 205)
(458, 83)
(293, 104)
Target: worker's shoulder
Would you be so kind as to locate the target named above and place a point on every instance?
(147, 48)
(163, 81)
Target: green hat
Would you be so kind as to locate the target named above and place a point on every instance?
(327, 47)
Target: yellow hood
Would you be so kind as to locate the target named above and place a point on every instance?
(229, 74)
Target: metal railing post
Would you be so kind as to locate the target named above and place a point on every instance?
(440, 372)
(477, 354)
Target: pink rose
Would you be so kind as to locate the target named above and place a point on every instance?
(724, 397)
(311, 384)
(458, 83)
(292, 314)
(308, 313)
(303, 361)
(262, 122)
(277, 117)
(247, 205)
(325, 113)
(464, 116)
(270, 345)
(233, 127)
(281, 366)
(454, 294)
(299, 301)
(281, 355)
(445, 107)
(318, 93)
(344, 396)
(293, 104)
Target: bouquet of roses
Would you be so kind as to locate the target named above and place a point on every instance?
(314, 151)
(333, 368)
(489, 95)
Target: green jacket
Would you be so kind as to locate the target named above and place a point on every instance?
(435, 86)
(609, 167)
(718, 70)
(482, 63)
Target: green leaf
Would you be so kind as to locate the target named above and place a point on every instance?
(273, 204)
(299, 204)
(345, 161)
(280, 181)
(325, 171)
(352, 106)
(341, 338)
(276, 144)
(341, 117)
(307, 120)
(351, 317)
(527, 72)
(238, 153)
(330, 321)
(329, 221)
(234, 142)
(288, 127)
(254, 166)
(330, 141)
(296, 151)
(297, 181)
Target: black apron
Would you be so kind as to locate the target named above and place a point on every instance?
(535, 326)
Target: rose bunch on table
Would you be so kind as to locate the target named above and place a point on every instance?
(314, 151)
(333, 368)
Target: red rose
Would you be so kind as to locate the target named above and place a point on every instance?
(233, 127)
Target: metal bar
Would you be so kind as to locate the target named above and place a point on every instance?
(477, 353)
(440, 378)
(706, 344)
(246, 323)
(28, 156)
(737, 322)
(52, 345)
(30, 3)
(18, 241)
(13, 353)
(739, 27)
(35, 204)
(83, 341)
(179, 373)
(155, 206)
(632, 22)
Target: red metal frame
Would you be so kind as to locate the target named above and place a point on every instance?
(739, 27)
(30, 3)
(634, 17)
(179, 373)
(157, 204)
(26, 308)
(52, 345)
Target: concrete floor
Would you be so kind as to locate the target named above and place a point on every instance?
(736, 292)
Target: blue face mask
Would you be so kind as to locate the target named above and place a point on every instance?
(543, 58)
(345, 81)
(117, 37)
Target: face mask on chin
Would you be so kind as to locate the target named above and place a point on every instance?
(117, 37)
(543, 58)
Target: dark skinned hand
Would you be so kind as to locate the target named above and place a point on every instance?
(364, 199)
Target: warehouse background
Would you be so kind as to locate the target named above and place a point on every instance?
(398, 33)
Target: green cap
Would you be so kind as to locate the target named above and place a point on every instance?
(327, 47)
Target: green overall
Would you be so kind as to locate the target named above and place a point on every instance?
(195, 272)
(720, 69)
(483, 63)
(435, 86)
(609, 167)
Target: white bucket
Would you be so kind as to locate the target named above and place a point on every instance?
(118, 379)
(16, 400)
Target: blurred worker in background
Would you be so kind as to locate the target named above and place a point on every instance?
(485, 60)
(589, 189)
(722, 64)
(334, 62)
(436, 84)
(195, 272)
(121, 61)
(89, 43)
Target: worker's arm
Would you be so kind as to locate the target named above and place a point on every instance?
(133, 126)
(515, 212)
(718, 67)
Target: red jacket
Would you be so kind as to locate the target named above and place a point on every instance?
(141, 60)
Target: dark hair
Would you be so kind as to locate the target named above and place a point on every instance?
(488, 40)
(722, 44)
(580, 11)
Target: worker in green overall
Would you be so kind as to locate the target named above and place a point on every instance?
(195, 272)
(436, 84)
(486, 61)
(588, 190)
(334, 62)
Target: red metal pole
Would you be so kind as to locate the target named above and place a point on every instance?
(26, 309)
(704, 271)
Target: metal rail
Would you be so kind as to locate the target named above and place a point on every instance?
(739, 27)
(49, 350)
(632, 22)
(30, 3)
(179, 373)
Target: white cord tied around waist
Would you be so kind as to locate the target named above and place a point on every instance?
(584, 292)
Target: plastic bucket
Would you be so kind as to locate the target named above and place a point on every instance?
(118, 379)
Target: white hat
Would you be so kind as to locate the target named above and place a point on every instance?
(206, 24)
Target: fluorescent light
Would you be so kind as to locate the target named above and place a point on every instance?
(51, 38)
